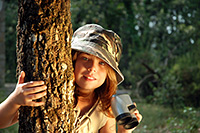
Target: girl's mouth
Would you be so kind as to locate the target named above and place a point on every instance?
(91, 78)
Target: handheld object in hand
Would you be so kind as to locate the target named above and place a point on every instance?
(123, 108)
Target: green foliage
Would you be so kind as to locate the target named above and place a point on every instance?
(179, 84)
(167, 33)
(11, 22)
(11, 129)
(162, 119)
(188, 123)
(187, 70)
(154, 118)
(169, 92)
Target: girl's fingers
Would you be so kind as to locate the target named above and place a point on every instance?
(28, 84)
(29, 99)
(33, 103)
(136, 112)
(135, 104)
(36, 96)
(138, 115)
(32, 84)
(21, 77)
(37, 89)
(25, 94)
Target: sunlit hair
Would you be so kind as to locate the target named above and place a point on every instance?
(105, 91)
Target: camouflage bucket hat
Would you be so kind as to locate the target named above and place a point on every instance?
(104, 44)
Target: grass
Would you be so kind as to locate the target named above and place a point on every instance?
(11, 129)
(156, 119)
(161, 119)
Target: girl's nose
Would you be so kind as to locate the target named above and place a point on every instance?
(92, 67)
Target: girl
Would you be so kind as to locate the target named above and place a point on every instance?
(96, 54)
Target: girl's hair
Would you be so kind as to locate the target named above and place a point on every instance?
(104, 92)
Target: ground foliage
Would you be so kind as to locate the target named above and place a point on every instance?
(160, 44)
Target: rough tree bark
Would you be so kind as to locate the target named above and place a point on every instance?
(44, 34)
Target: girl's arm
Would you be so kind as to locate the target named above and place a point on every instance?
(23, 95)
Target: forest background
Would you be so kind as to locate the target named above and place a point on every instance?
(160, 58)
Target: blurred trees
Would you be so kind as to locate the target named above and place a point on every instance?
(160, 45)
(10, 41)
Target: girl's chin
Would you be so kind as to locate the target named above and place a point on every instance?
(87, 86)
(83, 89)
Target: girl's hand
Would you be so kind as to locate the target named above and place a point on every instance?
(25, 93)
(121, 129)
(137, 114)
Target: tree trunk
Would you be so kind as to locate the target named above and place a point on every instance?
(44, 34)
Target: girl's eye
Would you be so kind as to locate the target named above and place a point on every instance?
(102, 63)
(85, 58)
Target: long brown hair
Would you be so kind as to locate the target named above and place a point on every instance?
(104, 92)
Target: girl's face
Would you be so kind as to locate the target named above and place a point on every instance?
(90, 72)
